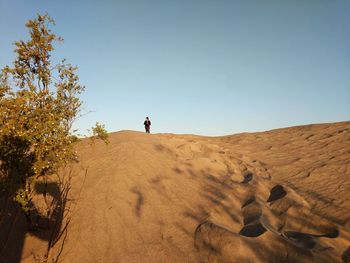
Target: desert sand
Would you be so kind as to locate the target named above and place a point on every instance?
(275, 196)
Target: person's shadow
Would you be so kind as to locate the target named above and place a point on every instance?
(14, 223)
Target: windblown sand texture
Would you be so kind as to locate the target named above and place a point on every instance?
(276, 196)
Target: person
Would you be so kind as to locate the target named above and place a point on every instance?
(147, 124)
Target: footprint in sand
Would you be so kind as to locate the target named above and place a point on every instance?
(277, 192)
(252, 212)
(253, 230)
(281, 217)
(308, 241)
(247, 177)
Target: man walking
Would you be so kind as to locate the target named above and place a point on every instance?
(147, 124)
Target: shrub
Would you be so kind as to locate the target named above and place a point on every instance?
(39, 103)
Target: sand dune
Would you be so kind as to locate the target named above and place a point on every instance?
(276, 196)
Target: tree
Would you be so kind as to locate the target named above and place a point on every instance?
(39, 103)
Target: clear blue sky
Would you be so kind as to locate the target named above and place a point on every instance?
(202, 67)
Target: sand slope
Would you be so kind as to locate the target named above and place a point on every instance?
(276, 196)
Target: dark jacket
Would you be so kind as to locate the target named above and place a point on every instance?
(147, 123)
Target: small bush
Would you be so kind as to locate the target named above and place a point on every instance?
(39, 103)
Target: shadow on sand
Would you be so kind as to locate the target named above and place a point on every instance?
(43, 221)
